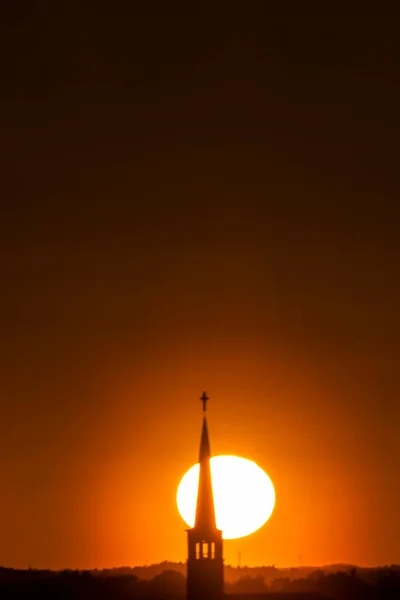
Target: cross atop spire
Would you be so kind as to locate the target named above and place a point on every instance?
(204, 400)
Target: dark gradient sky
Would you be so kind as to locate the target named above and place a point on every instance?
(197, 198)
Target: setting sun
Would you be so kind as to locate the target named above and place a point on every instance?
(244, 495)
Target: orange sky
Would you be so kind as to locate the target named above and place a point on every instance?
(189, 202)
(99, 490)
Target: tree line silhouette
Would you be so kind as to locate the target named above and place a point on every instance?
(167, 580)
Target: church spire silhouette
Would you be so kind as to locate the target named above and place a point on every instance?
(205, 511)
(205, 576)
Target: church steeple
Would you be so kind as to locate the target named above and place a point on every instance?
(205, 577)
(205, 511)
(205, 452)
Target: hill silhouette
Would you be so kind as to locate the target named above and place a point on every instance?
(167, 580)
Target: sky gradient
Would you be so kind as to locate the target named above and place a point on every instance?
(197, 200)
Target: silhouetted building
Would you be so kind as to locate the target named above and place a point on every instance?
(205, 567)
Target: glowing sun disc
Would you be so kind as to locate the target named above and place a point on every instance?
(244, 495)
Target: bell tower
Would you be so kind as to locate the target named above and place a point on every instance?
(205, 566)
